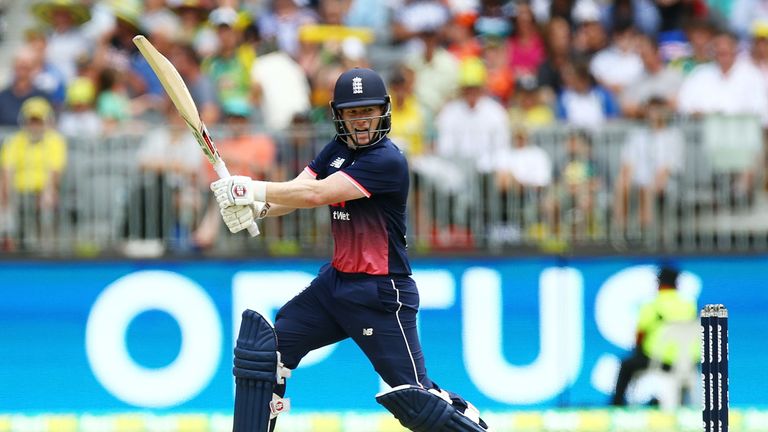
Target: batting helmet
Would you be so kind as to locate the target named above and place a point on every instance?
(360, 87)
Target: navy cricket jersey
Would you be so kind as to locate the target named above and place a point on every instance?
(368, 233)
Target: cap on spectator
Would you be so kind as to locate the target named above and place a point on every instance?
(223, 16)
(78, 10)
(425, 17)
(472, 72)
(36, 108)
(760, 29)
(353, 49)
(200, 7)
(586, 11)
(80, 91)
(493, 27)
(527, 83)
(236, 107)
(128, 12)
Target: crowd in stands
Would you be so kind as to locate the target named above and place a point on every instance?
(470, 80)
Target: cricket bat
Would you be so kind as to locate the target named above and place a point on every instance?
(174, 85)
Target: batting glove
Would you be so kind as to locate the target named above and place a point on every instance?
(238, 191)
(237, 217)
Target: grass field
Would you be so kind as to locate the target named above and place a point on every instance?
(600, 420)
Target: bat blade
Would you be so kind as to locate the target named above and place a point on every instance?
(177, 90)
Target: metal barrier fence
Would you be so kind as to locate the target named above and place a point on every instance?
(555, 189)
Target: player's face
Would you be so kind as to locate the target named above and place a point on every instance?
(360, 121)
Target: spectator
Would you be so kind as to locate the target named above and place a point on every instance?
(618, 65)
(79, 118)
(657, 80)
(372, 14)
(168, 196)
(699, 33)
(572, 204)
(246, 153)
(559, 51)
(460, 36)
(354, 53)
(642, 14)
(117, 52)
(113, 103)
(525, 46)
(528, 109)
(522, 174)
(47, 77)
(436, 71)
(21, 88)
(67, 41)
(230, 72)
(471, 131)
(501, 79)
(280, 26)
(582, 102)
(745, 14)
(730, 89)
(408, 125)
(282, 88)
(669, 306)
(193, 17)
(727, 86)
(32, 161)
(758, 51)
(674, 14)
(415, 17)
(651, 160)
(474, 126)
(163, 34)
(157, 14)
(589, 34)
(200, 86)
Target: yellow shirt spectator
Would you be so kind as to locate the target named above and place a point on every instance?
(408, 125)
(32, 163)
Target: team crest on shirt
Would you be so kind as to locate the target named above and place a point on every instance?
(357, 85)
(337, 162)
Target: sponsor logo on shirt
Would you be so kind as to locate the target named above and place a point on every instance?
(341, 215)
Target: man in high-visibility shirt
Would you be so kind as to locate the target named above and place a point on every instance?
(668, 306)
(32, 161)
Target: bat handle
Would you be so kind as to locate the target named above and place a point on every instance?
(222, 171)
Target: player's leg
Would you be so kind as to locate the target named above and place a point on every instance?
(256, 369)
(301, 325)
(381, 319)
(422, 410)
(304, 323)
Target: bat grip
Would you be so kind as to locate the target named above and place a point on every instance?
(223, 172)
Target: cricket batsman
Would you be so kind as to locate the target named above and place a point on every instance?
(365, 293)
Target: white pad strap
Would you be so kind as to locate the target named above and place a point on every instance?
(282, 371)
(472, 413)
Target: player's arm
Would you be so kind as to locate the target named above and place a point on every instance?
(309, 193)
(302, 192)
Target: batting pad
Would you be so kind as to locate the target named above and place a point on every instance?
(255, 373)
(419, 410)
